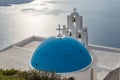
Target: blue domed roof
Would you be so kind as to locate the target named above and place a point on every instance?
(61, 55)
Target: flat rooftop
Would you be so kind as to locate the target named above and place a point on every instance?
(18, 56)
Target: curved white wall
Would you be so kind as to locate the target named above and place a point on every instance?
(82, 75)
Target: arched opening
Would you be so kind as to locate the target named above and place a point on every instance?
(69, 32)
(79, 35)
(74, 20)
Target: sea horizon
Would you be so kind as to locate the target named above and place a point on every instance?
(20, 20)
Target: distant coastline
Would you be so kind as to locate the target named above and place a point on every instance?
(9, 2)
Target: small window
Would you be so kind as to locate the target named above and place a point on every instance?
(67, 55)
(36, 64)
(79, 35)
(80, 51)
(74, 18)
(70, 34)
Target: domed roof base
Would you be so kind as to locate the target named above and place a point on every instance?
(61, 55)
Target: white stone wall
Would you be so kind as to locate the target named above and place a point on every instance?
(82, 75)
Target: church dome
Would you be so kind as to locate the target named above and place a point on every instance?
(61, 55)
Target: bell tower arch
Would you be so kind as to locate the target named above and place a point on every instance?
(74, 23)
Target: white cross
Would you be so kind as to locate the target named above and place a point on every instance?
(74, 9)
(59, 29)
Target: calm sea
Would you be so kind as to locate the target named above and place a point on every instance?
(41, 17)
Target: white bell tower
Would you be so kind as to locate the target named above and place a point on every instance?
(75, 27)
(76, 30)
(74, 23)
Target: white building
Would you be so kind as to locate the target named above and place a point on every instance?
(68, 56)
(75, 27)
(76, 30)
(19, 54)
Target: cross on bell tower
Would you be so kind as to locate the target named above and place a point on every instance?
(59, 29)
(74, 9)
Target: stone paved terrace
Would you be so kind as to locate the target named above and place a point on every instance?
(15, 58)
(18, 56)
(108, 59)
(32, 45)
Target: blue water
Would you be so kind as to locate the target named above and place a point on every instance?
(41, 17)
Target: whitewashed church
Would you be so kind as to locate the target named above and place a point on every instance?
(76, 30)
(67, 53)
